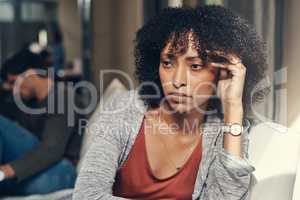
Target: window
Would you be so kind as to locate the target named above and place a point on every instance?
(6, 12)
(36, 12)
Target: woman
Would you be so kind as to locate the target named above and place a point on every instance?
(181, 135)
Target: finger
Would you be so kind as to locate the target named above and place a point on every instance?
(225, 74)
(237, 70)
(234, 59)
(232, 70)
(219, 65)
(230, 67)
(226, 71)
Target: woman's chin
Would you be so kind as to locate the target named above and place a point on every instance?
(180, 108)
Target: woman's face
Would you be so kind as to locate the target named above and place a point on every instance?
(187, 82)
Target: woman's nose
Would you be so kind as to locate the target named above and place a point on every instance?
(179, 78)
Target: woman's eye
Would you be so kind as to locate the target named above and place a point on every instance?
(167, 63)
(196, 66)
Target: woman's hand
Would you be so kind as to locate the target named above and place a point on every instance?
(231, 83)
(230, 91)
(231, 86)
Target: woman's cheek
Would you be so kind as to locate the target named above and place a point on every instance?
(212, 71)
(204, 85)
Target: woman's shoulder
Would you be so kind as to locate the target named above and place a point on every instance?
(122, 102)
(122, 107)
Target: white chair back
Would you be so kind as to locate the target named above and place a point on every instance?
(114, 86)
(274, 151)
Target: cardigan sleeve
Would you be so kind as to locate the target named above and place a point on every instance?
(229, 175)
(96, 177)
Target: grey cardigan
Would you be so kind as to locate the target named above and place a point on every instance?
(221, 175)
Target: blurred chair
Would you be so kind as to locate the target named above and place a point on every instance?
(114, 86)
(296, 193)
(274, 151)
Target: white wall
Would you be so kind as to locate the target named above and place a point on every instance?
(69, 21)
(115, 23)
(291, 60)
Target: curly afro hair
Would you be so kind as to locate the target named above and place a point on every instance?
(214, 28)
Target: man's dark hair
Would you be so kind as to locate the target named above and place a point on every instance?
(20, 62)
(214, 28)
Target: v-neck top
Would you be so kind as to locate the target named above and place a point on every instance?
(135, 179)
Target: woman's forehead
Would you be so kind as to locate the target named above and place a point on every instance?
(190, 51)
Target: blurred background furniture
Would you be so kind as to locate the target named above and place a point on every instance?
(296, 193)
(274, 151)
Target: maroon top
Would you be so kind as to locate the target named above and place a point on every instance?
(135, 180)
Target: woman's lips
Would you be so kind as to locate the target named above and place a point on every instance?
(178, 94)
(179, 97)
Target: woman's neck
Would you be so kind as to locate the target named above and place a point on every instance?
(187, 123)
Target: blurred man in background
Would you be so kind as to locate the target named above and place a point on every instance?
(38, 152)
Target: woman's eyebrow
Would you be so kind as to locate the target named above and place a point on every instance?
(192, 58)
(167, 55)
(188, 58)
